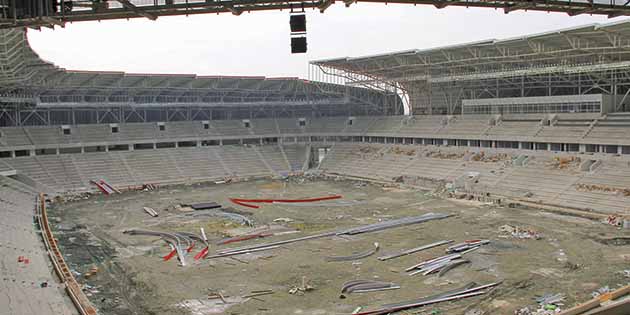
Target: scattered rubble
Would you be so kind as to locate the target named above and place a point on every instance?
(563, 163)
(519, 232)
(485, 264)
(600, 291)
(72, 196)
(548, 304)
(604, 188)
(444, 156)
(402, 151)
(491, 158)
(304, 287)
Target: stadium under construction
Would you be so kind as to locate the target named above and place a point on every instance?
(340, 193)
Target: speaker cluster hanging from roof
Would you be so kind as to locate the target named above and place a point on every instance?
(297, 22)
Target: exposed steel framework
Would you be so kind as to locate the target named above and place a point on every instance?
(591, 59)
(36, 92)
(38, 13)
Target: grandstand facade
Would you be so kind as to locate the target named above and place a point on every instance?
(61, 129)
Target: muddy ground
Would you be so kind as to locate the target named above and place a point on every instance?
(574, 256)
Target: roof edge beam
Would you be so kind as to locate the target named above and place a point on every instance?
(138, 11)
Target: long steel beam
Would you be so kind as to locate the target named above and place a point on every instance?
(76, 11)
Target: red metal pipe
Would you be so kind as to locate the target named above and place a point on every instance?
(243, 238)
(202, 253)
(189, 249)
(170, 255)
(245, 202)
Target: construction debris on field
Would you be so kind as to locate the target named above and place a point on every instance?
(469, 290)
(600, 291)
(364, 286)
(304, 287)
(414, 250)
(150, 211)
(251, 203)
(267, 278)
(441, 264)
(257, 293)
(204, 205)
(355, 256)
(466, 246)
(548, 304)
(519, 232)
(235, 217)
(351, 231)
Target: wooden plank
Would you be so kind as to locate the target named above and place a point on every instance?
(581, 308)
(617, 308)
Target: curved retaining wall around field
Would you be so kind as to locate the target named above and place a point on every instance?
(61, 268)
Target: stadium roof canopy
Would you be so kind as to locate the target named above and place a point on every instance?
(580, 49)
(26, 81)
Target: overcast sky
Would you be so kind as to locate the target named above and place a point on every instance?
(258, 43)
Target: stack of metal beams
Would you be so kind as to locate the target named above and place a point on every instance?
(443, 264)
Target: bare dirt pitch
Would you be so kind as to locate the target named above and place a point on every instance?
(574, 257)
